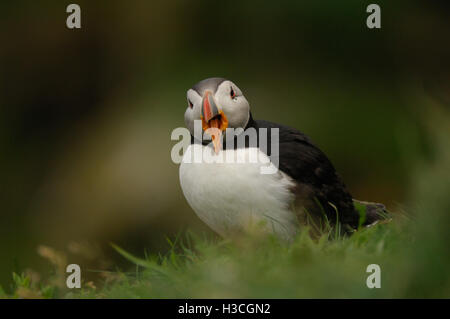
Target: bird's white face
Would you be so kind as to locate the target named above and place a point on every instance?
(219, 104)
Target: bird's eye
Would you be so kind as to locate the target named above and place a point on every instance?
(232, 93)
(191, 105)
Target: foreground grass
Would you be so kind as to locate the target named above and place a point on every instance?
(263, 268)
(266, 268)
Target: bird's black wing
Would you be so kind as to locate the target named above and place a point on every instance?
(313, 172)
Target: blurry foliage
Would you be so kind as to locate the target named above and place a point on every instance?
(86, 115)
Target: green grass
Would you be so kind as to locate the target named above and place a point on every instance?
(267, 268)
(261, 268)
(414, 262)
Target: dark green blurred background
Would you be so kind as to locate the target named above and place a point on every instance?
(86, 115)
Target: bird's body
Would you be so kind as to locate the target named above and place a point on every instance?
(232, 196)
(246, 196)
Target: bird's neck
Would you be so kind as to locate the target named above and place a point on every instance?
(251, 122)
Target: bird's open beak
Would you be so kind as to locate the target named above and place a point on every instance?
(214, 121)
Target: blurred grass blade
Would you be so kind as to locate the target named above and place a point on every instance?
(138, 261)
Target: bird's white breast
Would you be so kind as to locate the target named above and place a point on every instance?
(231, 197)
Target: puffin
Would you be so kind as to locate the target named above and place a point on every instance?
(234, 197)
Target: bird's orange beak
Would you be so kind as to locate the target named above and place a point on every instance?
(214, 121)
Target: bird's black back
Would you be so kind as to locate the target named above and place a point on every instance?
(310, 168)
